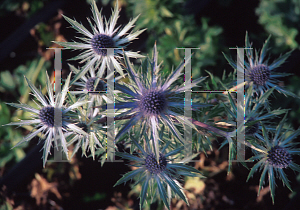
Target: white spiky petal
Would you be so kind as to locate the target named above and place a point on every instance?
(51, 132)
(119, 36)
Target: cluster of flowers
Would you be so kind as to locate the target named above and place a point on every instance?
(153, 107)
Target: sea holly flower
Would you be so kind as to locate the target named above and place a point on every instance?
(274, 155)
(92, 86)
(255, 110)
(102, 36)
(157, 176)
(43, 117)
(152, 99)
(259, 72)
(94, 134)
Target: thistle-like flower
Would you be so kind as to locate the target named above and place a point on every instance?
(274, 156)
(94, 132)
(102, 36)
(259, 72)
(153, 100)
(91, 86)
(44, 117)
(157, 176)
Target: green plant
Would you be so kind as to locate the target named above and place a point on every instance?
(149, 106)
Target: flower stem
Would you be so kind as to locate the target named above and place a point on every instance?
(225, 134)
(211, 128)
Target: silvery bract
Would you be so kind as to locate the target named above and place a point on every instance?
(153, 99)
(103, 35)
(44, 120)
(275, 154)
(258, 71)
(156, 176)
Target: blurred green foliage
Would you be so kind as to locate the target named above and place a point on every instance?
(169, 26)
(45, 33)
(28, 6)
(281, 18)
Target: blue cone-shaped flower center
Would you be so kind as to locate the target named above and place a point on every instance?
(153, 103)
(278, 157)
(83, 126)
(91, 83)
(260, 74)
(100, 41)
(153, 166)
(250, 130)
(46, 115)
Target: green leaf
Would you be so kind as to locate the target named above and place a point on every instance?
(262, 179)
(272, 184)
(127, 126)
(263, 99)
(284, 179)
(279, 128)
(128, 176)
(180, 166)
(213, 80)
(175, 187)
(228, 110)
(265, 134)
(174, 152)
(7, 80)
(232, 103)
(230, 61)
(291, 137)
(254, 168)
(172, 127)
(139, 146)
(128, 156)
(264, 50)
(295, 167)
(280, 60)
(162, 192)
(144, 192)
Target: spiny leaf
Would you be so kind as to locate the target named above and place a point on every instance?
(176, 188)
(262, 179)
(128, 176)
(272, 184)
(284, 179)
(162, 193)
(143, 193)
(128, 156)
